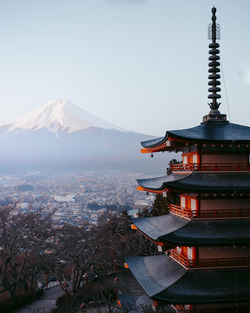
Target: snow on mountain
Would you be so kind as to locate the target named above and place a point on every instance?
(59, 116)
(60, 136)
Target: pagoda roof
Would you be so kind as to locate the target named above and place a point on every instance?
(165, 280)
(198, 182)
(138, 304)
(172, 229)
(212, 131)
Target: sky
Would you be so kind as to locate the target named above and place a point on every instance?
(139, 64)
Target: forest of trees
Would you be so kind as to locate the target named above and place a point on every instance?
(33, 251)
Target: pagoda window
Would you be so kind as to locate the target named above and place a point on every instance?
(185, 159)
(178, 250)
(191, 253)
(191, 158)
(195, 158)
(183, 201)
(194, 205)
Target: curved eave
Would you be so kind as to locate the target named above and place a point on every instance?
(174, 230)
(215, 132)
(198, 183)
(153, 142)
(158, 226)
(159, 184)
(159, 144)
(165, 280)
(142, 303)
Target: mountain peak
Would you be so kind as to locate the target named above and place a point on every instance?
(59, 115)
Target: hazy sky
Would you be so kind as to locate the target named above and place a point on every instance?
(140, 64)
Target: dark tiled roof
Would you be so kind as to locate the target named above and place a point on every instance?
(164, 279)
(140, 304)
(153, 273)
(199, 182)
(157, 183)
(207, 132)
(212, 232)
(210, 286)
(156, 227)
(176, 230)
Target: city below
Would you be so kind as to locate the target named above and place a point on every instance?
(74, 197)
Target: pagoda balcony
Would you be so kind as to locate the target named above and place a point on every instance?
(212, 213)
(210, 167)
(210, 263)
(180, 211)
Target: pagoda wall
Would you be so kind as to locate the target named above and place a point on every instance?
(225, 158)
(204, 253)
(224, 204)
(223, 252)
(213, 308)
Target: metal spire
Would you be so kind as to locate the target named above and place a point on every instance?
(214, 70)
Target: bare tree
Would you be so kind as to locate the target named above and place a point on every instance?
(75, 251)
(23, 243)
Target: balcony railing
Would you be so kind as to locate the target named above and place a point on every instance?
(176, 209)
(213, 213)
(213, 167)
(222, 262)
(180, 258)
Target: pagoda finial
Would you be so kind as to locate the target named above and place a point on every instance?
(214, 76)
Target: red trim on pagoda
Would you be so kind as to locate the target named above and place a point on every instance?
(165, 146)
(192, 309)
(212, 213)
(210, 167)
(204, 263)
(140, 188)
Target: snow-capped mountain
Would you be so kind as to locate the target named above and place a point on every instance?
(60, 135)
(58, 116)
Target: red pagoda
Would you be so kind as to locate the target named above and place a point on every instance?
(205, 238)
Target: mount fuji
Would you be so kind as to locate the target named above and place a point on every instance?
(61, 133)
(59, 116)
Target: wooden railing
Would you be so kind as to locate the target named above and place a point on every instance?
(213, 213)
(173, 208)
(222, 262)
(213, 167)
(236, 309)
(180, 258)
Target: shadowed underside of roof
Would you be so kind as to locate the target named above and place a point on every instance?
(176, 230)
(199, 182)
(163, 279)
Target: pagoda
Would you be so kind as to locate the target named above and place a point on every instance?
(205, 238)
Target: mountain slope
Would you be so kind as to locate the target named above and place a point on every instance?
(60, 134)
(58, 116)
